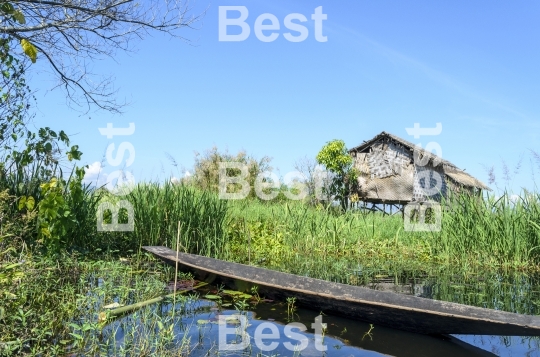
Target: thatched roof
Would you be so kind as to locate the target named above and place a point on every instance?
(452, 171)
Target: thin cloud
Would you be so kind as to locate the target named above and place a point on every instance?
(433, 74)
(94, 175)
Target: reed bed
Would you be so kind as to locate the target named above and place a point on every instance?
(158, 208)
(477, 234)
(503, 231)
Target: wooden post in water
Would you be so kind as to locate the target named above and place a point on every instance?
(249, 241)
(249, 245)
(176, 267)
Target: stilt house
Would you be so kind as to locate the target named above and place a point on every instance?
(389, 173)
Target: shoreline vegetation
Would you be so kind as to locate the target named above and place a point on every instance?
(56, 280)
(478, 234)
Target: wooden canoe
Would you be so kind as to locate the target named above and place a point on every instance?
(403, 312)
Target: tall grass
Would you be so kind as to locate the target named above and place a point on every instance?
(318, 242)
(157, 210)
(502, 231)
(477, 233)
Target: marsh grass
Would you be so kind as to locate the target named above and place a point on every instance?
(55, 309)
(495, 231)
(152, 330)
(478, 234)
(513, 292)
(157, 210)
(487, 233)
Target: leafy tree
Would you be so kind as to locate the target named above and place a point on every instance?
(206, 169)
(335, 157)
(14, 97)
(69, 34)
(31, 163)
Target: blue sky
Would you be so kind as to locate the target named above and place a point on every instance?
(472, 66)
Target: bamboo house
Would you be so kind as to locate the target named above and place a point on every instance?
(389, 173)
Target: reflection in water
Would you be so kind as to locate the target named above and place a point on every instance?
(519, 293)
(505, 346)
(379, 339)
(199, 324)
(197, 321)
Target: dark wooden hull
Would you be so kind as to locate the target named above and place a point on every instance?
(408, 313)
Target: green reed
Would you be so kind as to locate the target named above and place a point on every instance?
(477, 233)
(502, 231)
(157, 209)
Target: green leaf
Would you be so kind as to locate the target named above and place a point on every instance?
(212, 297)
(232, 320)
(10, 295)
(76, 336)
(7, 8)
(19, 17)
(29, 49)
(11, 266)
(534, 225)
(30, 203)
(64, 137)
(74, 153)
(22, 202)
